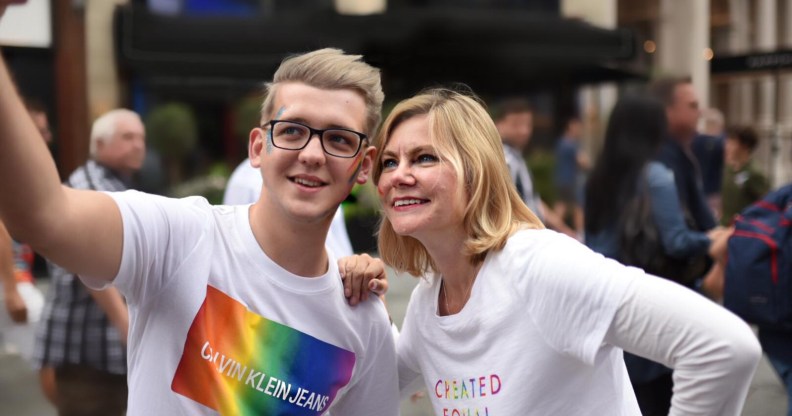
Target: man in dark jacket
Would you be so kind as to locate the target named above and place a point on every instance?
(682, 110)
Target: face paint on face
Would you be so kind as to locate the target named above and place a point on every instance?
(269, 133)
(356, 166)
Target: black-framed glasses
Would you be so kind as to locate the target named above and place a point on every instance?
(338, 142)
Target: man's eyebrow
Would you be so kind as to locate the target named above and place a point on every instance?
(304, 121)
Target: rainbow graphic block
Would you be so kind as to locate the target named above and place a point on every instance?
(240, 363)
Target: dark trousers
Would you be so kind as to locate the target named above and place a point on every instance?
(86, 391)
(654, 397)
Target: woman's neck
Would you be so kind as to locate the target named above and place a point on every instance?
(456, 270)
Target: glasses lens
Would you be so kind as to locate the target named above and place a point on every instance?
(341, 142)
(288, 135)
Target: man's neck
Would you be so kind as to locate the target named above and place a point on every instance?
(298, 247)
(684, 139)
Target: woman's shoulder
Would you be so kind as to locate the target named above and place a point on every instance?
(535, 237)
(526, 245)
(658, 174)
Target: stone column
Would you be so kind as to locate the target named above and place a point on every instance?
(596, 101)
(684, 35)
(741, 90)
(767, 41)
(783, 173)
(104, 88)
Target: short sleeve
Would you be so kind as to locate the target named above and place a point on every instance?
(159, 234)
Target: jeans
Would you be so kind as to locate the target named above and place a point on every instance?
(85, 391)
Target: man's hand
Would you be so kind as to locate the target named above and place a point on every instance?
(15, 306)
(719, 238)
(362, 274)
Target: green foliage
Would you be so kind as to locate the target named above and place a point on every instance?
(172, 130)
(247, 115)
(542, 166)
(210, 186)
(362, 202)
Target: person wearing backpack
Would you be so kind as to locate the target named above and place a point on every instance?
(756, 281)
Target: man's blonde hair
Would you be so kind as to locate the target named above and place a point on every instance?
(463, 135)
(330, 69)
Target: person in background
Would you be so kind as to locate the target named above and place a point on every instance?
(708, 150)
(571, 165)
(624, 171)
(743, 184)
(682, 111)
(83, 333)
(24, 302)
(514, 121)
(510, 318)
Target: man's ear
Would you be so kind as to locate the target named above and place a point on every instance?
(367, 164)
(256, 144)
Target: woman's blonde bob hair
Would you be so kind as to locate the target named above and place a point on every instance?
(463, 135)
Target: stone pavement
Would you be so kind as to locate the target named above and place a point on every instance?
(21, 396)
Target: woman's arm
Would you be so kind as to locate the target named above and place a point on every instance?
(678, 240)
(713, 352)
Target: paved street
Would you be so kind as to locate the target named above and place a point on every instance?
(20, 395)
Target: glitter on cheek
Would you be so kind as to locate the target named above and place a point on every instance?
(269, 132)
(356, 165)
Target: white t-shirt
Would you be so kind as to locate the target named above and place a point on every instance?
(529, 339)
(217, 327)
(244, 187)
(540, 331)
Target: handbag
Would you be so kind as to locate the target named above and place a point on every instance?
(641, 245)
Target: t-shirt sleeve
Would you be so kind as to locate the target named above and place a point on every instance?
(375, 391)
(159, 233)
(570, 292)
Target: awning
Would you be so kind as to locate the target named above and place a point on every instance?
(493, 51)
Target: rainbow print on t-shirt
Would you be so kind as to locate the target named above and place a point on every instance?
(240, 363)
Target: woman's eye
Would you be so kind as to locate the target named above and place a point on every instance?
(388, 163)
(427, 158)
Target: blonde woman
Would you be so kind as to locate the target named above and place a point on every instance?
(510, 318)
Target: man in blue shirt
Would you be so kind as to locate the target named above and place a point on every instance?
(571, 166)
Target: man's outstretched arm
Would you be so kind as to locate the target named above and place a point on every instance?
(79, 230)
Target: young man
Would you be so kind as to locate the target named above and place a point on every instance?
(743, 184)
(233, 310)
